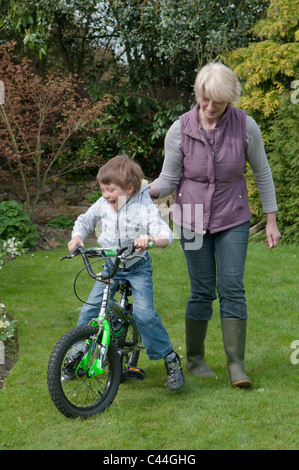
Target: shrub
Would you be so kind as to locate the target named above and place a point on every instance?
(7, 327)
(41, 114)
(15, 222)
(10, 250)
(284, 160)
(61, 221)
(93, 197)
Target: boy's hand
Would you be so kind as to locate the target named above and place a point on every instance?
(76, 241)
(142, 242)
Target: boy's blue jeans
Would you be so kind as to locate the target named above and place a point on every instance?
(154, 335)
(222, 257)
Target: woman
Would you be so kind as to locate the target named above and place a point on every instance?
(205, 155)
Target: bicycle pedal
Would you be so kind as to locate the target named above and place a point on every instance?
(133, 373)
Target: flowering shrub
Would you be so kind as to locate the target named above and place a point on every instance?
(9, 250)
(7, 328)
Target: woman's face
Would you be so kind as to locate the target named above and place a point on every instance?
(212, 110)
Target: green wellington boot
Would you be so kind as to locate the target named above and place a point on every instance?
(195, 336)
(234, 339)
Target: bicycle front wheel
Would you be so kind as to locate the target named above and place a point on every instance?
(73, 392)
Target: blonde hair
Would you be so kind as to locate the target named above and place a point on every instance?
(218, 82)
(123, 171)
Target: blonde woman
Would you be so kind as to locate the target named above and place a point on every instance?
(205, 155)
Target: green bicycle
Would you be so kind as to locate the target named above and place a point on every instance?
(88, 363)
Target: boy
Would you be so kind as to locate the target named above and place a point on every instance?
(128, 215)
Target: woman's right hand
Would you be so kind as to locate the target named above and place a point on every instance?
(154, 191)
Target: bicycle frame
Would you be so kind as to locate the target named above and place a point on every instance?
(98, 366)
(101, 321)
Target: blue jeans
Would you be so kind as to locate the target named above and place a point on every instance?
(221, 256)
(154, 336)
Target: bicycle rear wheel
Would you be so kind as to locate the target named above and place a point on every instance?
(73, 392)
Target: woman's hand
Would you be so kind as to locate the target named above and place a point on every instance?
(272, 232)
(154, 191)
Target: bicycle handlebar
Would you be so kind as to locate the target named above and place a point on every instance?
(120, 254)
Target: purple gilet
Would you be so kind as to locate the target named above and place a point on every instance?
(212, 193)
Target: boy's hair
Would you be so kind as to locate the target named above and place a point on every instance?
(122, 171)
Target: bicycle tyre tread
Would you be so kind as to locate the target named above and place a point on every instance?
(54, 371)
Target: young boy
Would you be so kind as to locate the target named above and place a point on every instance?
(128, 215)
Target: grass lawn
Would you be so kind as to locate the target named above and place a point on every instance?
(207, 413)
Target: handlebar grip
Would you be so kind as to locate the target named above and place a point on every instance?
(98, 251)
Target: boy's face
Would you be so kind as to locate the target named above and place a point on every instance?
(115, 195)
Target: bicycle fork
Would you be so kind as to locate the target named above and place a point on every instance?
(102, 323)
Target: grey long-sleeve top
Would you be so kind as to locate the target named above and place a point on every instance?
(255, 155)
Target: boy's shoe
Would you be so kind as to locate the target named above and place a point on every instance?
(176, 378)
(70, 365)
